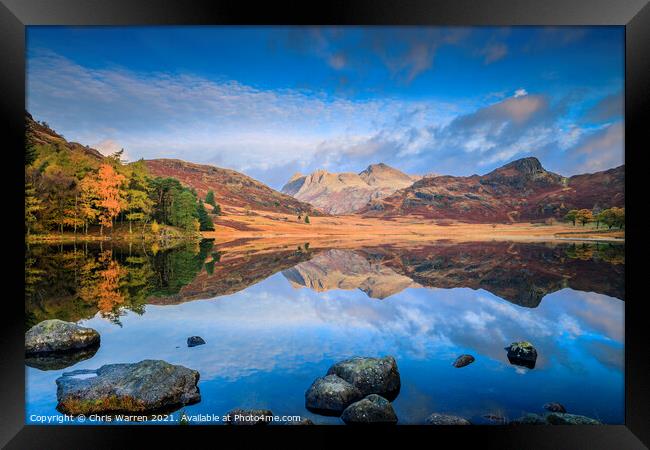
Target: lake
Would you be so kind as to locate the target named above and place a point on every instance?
(275, 317)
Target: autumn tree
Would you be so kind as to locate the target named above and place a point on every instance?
(32, 206)
(139, 204)
(110, 201)
(584, 216)
(88, 201)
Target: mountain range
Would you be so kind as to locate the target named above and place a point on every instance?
(522, 190)
(346, 192)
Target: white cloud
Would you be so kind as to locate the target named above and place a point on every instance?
(520, 93)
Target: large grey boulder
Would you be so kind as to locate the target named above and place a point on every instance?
(146, 386)
(370, 375)
(445, 419)
(330, 395)
(240, 416)
(59, 336)
(373, 409)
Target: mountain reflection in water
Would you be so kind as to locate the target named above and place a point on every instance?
(275, 317)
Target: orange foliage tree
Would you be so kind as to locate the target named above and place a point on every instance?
(110, 196)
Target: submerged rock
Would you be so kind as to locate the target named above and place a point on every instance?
(372, 409)
(58, 336)
(570, 419)
(146, 386)
(522, 354)
(445, 419)
(330, 395)
(59, 360)
(193, 341)
(370, 375)
(555, 407)
(555, 419)
(463, 360)
(240, 416)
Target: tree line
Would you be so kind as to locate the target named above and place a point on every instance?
(610, 217)
(69, 190)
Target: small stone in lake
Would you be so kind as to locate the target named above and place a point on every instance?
(555, 407)
(445, 419)
(522, 354)
(463, 360)
(194, 341)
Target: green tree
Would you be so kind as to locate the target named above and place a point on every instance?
(209, 198)
(571, 216)
(183, 211)
(216, 210)
(307, 219)
(30, 151)
(139, 204)
(32, 206)
(205, 223)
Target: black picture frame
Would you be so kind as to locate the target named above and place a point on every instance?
(634, 15)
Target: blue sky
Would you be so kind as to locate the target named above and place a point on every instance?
(270, 101)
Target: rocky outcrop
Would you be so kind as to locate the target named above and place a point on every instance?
(370, 375)
(58, 336)
(522, 354)
(344, 193)
(330, 395)
(143, 387)
(445, 419)
(463, 360)
(373, 409)
(249, 417)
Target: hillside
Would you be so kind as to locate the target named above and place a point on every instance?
(520, 190)
(346, 192)
(230, 188)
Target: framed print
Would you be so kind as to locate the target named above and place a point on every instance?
(406, 216)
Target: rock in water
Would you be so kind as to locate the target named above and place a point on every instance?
(330, 395)
(373, 409)
(555, 407)
(146, 386)
(522, 354)
(445, 419)
(570, 419)
(249, 417)
(370, 375)
(463, 360)
(194, 341)
(59, 336)
(555, 419)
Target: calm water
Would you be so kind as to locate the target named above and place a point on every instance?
(274, 320)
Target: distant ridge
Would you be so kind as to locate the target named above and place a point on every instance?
(519, 190)
(346, 192)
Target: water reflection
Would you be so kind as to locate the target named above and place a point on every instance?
(276, 319)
